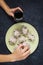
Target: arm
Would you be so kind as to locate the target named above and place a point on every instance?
(5, 58)
(7, 9)
(4, 5)
(19, 54)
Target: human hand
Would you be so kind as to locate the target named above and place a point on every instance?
(11, 12)
(20, 54)
(7, 9)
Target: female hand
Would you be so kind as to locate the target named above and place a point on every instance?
(11, 11)
(20, 54)
(7, 9)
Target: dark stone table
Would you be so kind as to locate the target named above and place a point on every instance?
(33, 14)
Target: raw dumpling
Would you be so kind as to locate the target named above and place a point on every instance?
(12, 40)
(21, 39)
(31, 37)
(24, 30)
(26, 43)
(16, 33)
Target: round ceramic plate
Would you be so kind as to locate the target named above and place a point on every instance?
(33, 44)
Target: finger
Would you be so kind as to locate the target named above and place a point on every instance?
(11, 14)
(26, 56)
(26, 53)
(17, 8)
(25, 49)
(20, 46)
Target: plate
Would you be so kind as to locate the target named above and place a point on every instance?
(33, 44)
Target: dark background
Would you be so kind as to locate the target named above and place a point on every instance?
(33, 14)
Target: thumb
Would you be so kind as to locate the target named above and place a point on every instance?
(21, 46)
(11, 14)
